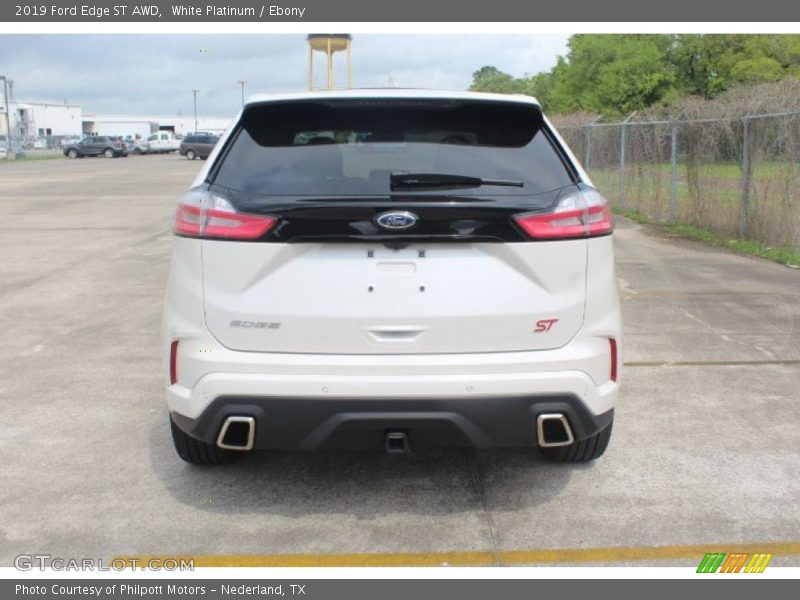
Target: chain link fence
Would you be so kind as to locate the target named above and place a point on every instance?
(737, 176)
(33, 147)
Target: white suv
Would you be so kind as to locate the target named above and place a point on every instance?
(393, 269)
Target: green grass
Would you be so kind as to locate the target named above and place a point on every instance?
(722, 180)
(786, 255)
(729, 171)
(714, 205)
(30, 156)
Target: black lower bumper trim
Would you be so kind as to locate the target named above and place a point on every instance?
(312, 423)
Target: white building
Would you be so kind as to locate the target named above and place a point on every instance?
(30, 119)
(39, 119)
(140, 126)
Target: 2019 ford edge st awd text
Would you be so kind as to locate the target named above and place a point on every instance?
(391, 269)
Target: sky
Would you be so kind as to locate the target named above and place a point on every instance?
(154, 74)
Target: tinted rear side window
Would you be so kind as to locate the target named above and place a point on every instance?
(346, 147)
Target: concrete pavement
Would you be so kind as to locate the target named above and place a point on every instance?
(705, 449)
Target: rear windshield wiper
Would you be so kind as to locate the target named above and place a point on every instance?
(410, 181)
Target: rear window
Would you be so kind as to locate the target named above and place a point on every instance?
(346, 147)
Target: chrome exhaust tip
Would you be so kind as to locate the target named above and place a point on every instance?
(237, 433)
(553, 430)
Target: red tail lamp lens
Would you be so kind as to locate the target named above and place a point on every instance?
(613, 344)
(596, 220)
(193, 221)
(173, 363)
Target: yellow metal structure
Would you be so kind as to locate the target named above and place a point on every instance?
(329, 43)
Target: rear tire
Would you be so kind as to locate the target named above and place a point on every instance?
(190, 154)
(197, 452)
(581, 451)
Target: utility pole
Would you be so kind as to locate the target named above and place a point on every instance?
(241, 82)
(8, 117)
(194, 93)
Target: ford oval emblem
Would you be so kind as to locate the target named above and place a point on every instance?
(397, 220)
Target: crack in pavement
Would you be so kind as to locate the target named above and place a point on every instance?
(475, 476)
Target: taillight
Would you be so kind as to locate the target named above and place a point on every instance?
(173, 363)
(187, 220)
(585, 214)
(613, 347)
(210, 216)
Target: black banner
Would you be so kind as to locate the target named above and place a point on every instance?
(405, 11)
(396, 589)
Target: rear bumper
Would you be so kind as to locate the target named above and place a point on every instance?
(305, 401)
(313, 423)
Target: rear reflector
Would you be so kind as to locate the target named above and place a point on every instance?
(194, 221)
(613, 344)
(173, 363)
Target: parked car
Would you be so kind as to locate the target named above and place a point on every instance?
(125, 147)
(14, 148)
(130, 144)
(445, 277)
(110, 147)
(69, 140)
(140, 146)
(161, 142)
(200, 145)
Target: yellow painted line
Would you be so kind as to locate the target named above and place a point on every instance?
(417, 559)
(710, 363)
(478, 558)
(624, 554)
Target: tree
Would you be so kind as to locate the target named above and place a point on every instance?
(612, 74)
(757, 70)
(491, 79)
(707, 65)
(616, 74)
(540, 86)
